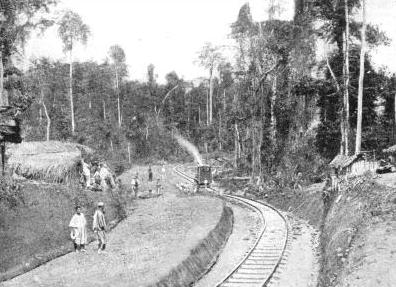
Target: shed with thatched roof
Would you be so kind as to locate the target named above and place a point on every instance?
(356, 164)
(51, 161)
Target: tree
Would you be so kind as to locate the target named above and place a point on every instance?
(361, 78)
(210, 57)
(41, 73)
(336, 29)
(117, 55)
(72, 30)
(346, 77)
(17, 21)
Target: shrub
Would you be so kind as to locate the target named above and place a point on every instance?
(10, 192)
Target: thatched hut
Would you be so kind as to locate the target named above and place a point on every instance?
(50, 161)
(353, 165)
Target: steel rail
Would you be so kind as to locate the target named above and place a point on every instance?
(260, 263)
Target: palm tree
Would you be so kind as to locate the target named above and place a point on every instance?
(72, 30)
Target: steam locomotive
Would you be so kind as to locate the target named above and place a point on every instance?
(204, 175)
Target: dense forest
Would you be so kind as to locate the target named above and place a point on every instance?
(278, 106)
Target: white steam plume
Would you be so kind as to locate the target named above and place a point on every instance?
(192, 149)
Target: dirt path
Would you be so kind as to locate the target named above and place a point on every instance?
(157, 235)
(302, 265)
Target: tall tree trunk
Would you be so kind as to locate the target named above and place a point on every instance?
(207, 107)
(342, 126)
(361, 78)
(3, 95)
(211, 95)
(71, 91)
(199, 115)
(395, 117)
(118, 99)
(48, 122)
(46, 115)
(346, 81)
(104, 109)
(220, 138)
(40, 116)
(254, 145)
(129, 152)
(273, 116)
(119, 112)
(237, 145)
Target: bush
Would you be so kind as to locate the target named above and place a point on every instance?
(10, 192)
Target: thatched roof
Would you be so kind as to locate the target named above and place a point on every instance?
(343, 161)
(50, 161)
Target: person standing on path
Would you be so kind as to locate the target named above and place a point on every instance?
(78, 226)
(99, 227)
(158, 186)
(150, 174)
(163, 172)
(135, 184)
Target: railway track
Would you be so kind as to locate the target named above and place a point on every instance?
(261, 263)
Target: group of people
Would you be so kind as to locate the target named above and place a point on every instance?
(96, 176)
(78, 228)
(135, 182)
(78, 223)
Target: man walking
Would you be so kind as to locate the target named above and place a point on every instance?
(99, 227)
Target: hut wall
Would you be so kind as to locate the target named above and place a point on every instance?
(361, 166)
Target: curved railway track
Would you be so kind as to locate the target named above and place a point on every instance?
(261, 262)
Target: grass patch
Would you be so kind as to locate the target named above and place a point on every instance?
(202, 257)
(35, 230)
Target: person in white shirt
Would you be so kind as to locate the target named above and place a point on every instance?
(78, 233)
(86, 172)
(135, 184)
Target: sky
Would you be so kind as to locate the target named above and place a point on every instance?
(170, 33)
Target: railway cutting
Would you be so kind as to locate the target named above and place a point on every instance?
(262, 261)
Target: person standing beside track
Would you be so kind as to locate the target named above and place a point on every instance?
(99, 227)
(78, 230)
(135, 184)
(150, 174)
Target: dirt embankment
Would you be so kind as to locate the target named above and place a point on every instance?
(203, 256)
(357, 229)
